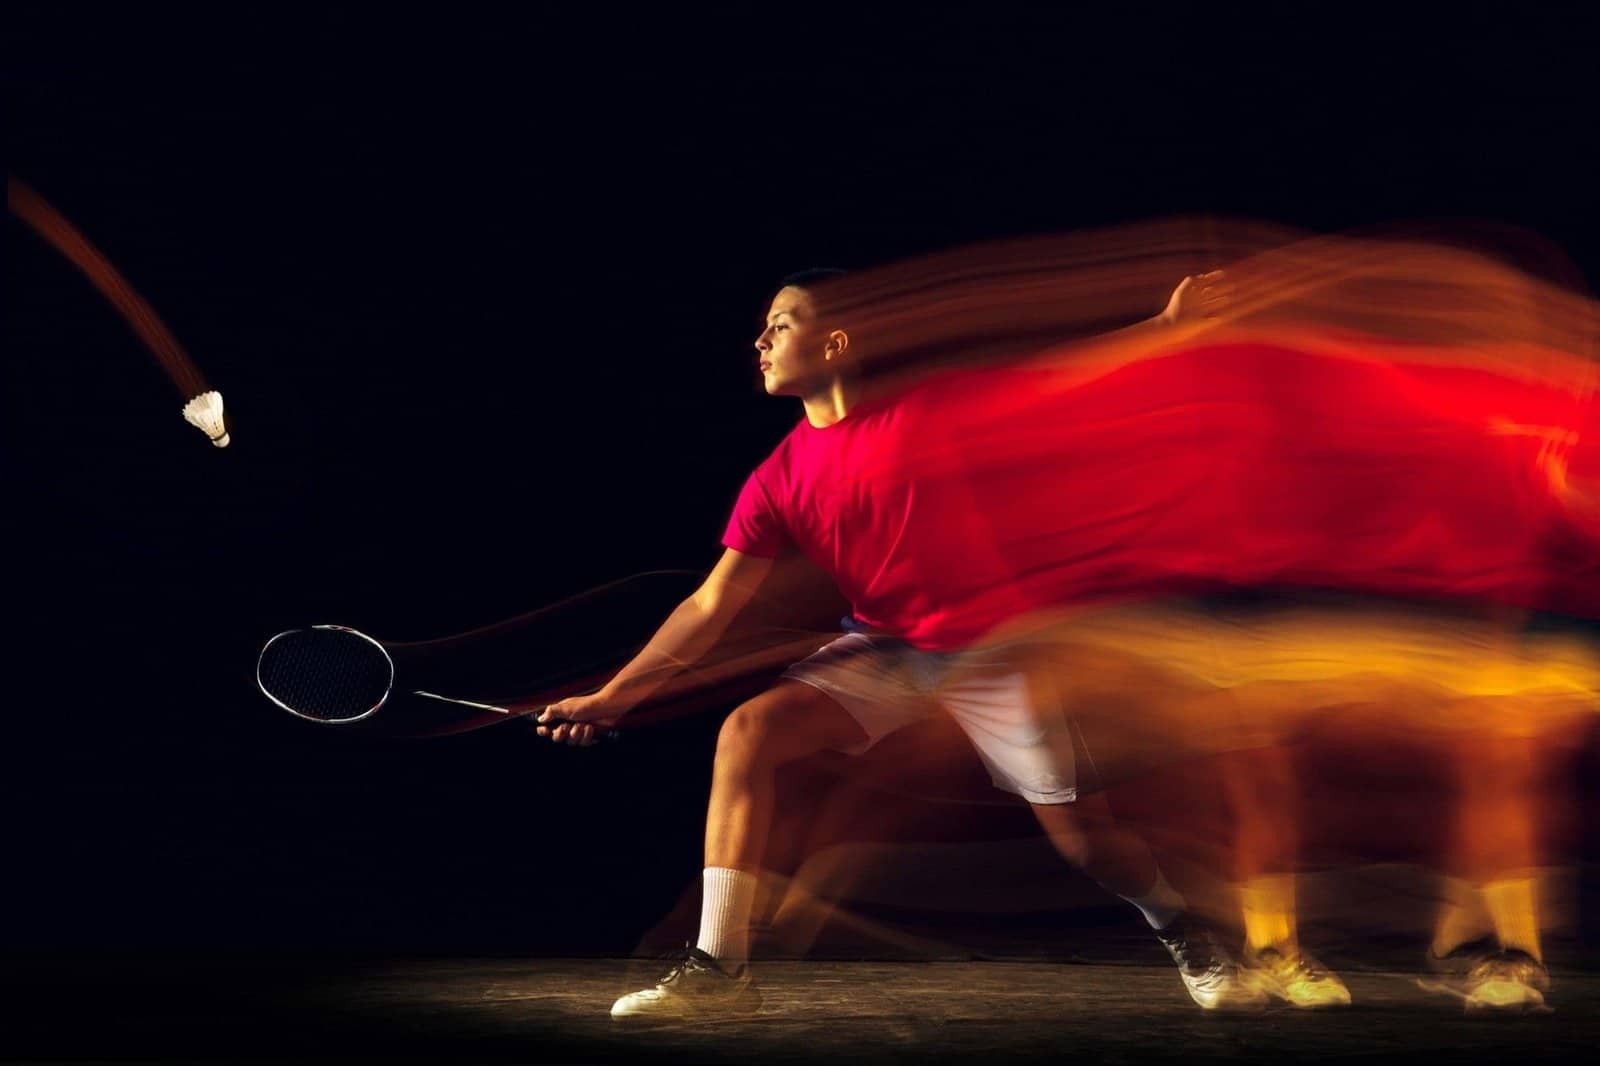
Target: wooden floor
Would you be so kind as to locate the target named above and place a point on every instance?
(555, 1010)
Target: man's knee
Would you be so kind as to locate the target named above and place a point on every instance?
(785, 723)
(1065, 826)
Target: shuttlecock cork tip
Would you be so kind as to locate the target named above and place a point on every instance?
(204, 412)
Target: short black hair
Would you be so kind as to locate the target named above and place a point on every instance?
(811, 276)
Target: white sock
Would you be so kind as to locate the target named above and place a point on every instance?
(1160, 903)
(728, 896)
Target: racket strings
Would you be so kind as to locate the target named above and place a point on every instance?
(326, 675)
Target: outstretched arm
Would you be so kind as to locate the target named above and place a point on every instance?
(689, 632)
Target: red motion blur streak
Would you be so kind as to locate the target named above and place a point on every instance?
(65, 238)
(1274, 457)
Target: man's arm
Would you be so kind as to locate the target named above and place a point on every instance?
(689, 632)
(1198, 299)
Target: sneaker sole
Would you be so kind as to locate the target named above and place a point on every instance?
(1234, 1002)
(746, 1004)
(1508, 997)
(1281, 993)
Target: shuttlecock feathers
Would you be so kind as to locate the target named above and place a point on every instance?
(205, 412)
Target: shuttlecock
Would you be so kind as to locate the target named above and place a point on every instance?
(205, 413)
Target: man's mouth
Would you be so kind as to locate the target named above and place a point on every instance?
(766, 365)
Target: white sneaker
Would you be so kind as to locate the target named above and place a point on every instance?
(1488, 979)
(1297, 978)
(1208, 971)
(697, 987)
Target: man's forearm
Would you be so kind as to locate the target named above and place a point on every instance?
(684, 638)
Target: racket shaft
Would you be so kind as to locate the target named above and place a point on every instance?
(600, 733)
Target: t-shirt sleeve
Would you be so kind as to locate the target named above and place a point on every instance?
(755, 527)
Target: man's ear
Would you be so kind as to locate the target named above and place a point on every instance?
(838, 341)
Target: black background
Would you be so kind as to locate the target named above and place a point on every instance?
(480, 291)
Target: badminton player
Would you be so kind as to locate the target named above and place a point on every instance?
(843, 490)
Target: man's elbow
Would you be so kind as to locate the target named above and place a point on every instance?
(709, 600)
(720, 599)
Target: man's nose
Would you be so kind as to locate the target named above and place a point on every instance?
(762, 344)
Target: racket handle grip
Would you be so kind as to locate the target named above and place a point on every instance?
(599, 733)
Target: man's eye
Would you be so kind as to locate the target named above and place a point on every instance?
(780, 326)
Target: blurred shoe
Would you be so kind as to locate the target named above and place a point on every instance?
(1452, 968)
(696, 988)
(1484, 977)
(1296, 977)
(1208, 971)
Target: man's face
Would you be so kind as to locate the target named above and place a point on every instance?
(791, 348)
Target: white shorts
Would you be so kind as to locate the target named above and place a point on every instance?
(886, 684)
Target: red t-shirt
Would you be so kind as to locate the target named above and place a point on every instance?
(979, 496)
(868, 502)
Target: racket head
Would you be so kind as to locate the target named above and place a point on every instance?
(333, 675)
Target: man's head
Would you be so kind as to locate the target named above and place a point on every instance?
(800, 349)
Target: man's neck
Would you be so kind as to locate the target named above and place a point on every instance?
(830, 403)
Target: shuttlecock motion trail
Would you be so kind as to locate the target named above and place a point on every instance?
(203, 406)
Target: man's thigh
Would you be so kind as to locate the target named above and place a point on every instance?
(1018, 729)
(872, 679)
